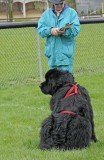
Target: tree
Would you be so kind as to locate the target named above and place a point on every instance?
(82, 13)
(72, 3)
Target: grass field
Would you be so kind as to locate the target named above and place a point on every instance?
(19, 55)
(23, 106)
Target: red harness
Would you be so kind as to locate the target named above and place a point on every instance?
(73, 90)
(67, 112)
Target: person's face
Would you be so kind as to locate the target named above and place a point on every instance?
(59, 7)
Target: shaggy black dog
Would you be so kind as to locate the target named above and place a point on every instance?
(70, 126)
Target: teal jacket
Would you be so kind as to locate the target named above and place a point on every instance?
(59, 49)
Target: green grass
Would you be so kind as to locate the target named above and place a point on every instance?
(89, 56)
(19, 54)
(22, 105)
(19, 57)
(21, 113)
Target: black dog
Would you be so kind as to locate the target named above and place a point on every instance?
(70, 126)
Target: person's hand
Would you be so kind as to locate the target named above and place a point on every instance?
(55, 31)
(61, 31)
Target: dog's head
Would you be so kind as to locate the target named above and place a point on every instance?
(55, 79)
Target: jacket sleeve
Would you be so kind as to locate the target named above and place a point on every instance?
(43, 29)
(74, 29)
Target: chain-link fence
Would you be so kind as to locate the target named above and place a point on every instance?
(22, 59)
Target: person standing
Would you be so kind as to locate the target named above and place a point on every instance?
(60, 44)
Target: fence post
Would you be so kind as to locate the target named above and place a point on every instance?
(39, 56)
(10, 10)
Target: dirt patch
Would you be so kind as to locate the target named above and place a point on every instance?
(19, 14)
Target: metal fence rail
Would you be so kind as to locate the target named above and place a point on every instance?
(22, 59)
(34, 24)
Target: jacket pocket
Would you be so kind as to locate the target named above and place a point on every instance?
(48, 48)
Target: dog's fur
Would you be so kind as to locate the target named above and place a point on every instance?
(62, 130)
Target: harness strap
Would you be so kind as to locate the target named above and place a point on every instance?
(67, 112)
(73, 90)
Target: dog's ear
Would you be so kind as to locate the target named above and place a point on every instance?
(68, 77)
(50, 73)
(61, 77)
